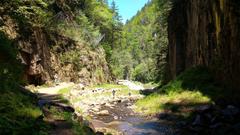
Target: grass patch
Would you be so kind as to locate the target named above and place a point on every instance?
(198, 78)
(108, 86)
(19, 114)
(77, 128)
(64, 90)
(194, 87)
(175, 101)
(59, 114)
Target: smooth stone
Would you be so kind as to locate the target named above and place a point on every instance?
(103, 112)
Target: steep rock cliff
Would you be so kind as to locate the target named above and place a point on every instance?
(40, 51)
(206, 32)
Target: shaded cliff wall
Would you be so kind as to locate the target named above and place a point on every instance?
(206, 32)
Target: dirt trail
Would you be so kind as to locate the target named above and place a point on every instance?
(55, 89)
(60, 127)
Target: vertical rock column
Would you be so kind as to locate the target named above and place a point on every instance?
(206, 32)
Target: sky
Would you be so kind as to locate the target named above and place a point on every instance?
(128, 8)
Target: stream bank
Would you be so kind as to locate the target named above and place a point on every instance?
(110, 113)
(115, 114)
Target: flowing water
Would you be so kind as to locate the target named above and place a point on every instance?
(124, 120)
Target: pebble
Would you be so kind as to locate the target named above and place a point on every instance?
(115, 117)
(103, 113)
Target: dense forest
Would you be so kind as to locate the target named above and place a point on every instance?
(175, 60)
(136, 57)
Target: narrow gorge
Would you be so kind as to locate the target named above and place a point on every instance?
(95, 67)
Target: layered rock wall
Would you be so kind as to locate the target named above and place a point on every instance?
(206, 32)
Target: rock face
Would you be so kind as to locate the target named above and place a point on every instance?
(206, 32)
(39, 51)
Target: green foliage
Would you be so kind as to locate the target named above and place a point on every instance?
(143, 73)
(144, 41)
(7, 48)
(191, 88)
(19, 114)
(73, 57)
(108, 86)
(76, 127)
(64, 90)
(86, 22)
(198, 78)
(28, 12)
(120, 60)
(10, 69)
(80, 30)
(170, 101)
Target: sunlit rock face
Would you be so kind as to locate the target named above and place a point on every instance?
(39, 52)
(206, 32)
(43, 62)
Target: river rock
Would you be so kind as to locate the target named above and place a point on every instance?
(103, 112)
(203, 108)
(230, 111)
(216, 125)
(80, 86)
(197, 121)
(108, 105)
(95, 109)
(128, 104)
(115, 117)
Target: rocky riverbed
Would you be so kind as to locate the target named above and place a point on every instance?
(110, 109)
(114, 113)
(121, 119)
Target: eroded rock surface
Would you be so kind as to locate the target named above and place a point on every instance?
(206, 32)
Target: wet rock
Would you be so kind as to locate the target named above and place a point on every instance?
(230, 111)
(42, 103)
(216, 125)
(103, 113)
(203, 108)
(197, 121)
(214, 119)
